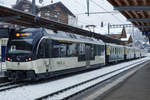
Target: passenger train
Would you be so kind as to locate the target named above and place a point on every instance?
(35, 53)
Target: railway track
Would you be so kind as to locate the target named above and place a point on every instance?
(6, 83)
(82, 86)
(9, 85)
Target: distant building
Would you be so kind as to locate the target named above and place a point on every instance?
(58, 12)
(123, 36)
(24, 5)
(128, 40)
(119, 35)
(139, 44)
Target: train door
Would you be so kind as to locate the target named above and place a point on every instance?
(48, 54)
(43, 56)
(87, 55)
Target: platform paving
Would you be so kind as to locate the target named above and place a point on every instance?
(137, 87)
(3, 78)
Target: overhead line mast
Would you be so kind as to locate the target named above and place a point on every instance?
(88, 7)
(33, 7)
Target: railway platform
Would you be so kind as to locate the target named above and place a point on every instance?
(136, 87)
(3, 78)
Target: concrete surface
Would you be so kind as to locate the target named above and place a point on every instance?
(137, 87)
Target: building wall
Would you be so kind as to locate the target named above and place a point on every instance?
(56, 14)
(72, 20)
(24, 5)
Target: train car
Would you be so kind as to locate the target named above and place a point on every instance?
(129, 52)
(137, 52)
(143, 53)
(114, 53)
(35, 53)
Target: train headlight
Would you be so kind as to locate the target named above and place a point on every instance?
(29, 59)
(17, 34)
(8, 59)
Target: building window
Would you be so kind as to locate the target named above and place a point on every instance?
(47, 14)
(55, 16)
(26, 10)
(26, 6)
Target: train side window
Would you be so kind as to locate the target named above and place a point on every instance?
(41, 49)
(92, 54)
(63, 50)
(120, 51)
(117, 51)
(103, 50)
(81, 52)
(48, 48)
(59, 49)
(98, 50)
(113, 51)
(71, 49)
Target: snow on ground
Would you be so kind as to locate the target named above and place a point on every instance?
(31, 92)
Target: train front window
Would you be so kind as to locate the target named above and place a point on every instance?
(21, 41)
(20, 46)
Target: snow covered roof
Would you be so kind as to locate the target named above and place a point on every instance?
(116, 31)
(126, 39)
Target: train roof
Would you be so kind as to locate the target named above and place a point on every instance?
(114, 44)
(65, 36)
(121, 46)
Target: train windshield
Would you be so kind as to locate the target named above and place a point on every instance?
(21, 41)
(20, 46)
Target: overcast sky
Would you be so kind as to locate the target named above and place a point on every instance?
(79, 6)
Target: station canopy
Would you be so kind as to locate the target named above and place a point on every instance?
(136, 11)
(18, 17)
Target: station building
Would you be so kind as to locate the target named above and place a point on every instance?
(123, 36)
